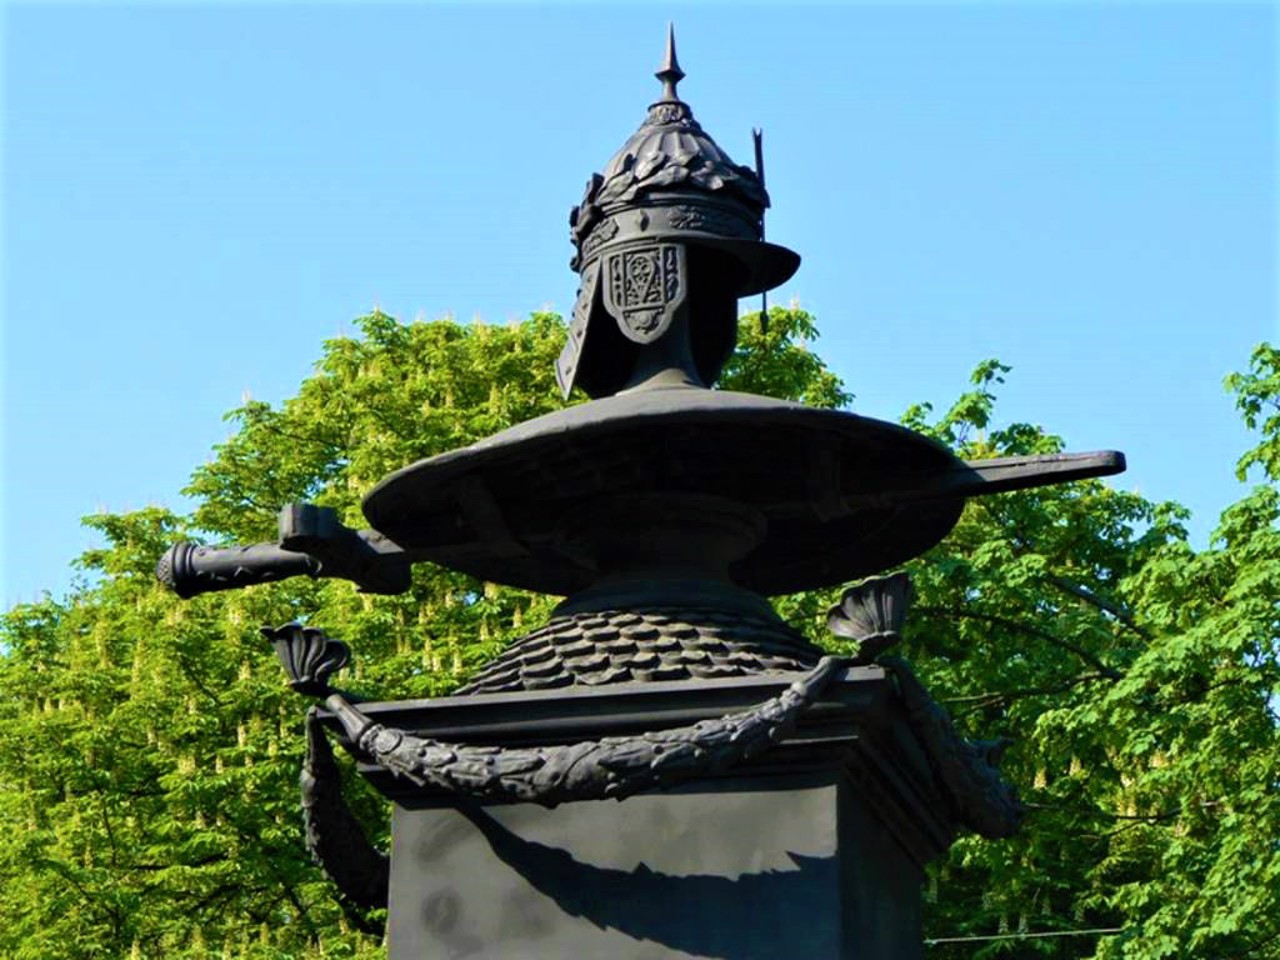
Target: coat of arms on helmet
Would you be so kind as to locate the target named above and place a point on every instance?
(643, 288)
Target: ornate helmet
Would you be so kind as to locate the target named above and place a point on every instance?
(672, 226)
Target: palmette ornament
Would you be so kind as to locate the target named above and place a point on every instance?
(308, 656)
(871, 614)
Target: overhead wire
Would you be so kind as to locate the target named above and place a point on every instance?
(1097, 931)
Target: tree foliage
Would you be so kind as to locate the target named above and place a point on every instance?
(1138, 678)
(149, 747)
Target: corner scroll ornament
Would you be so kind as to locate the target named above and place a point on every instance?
(968, 769)
(871, 614)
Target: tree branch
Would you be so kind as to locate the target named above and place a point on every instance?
(1101, 603)
(994, 698)
(1109, 672)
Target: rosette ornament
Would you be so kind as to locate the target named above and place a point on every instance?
(308, 656)
(871, 614)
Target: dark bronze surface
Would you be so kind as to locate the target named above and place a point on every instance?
(639, 644)
(313, 542)
(842, 496)
(590, 769)
(666, 481)
(672, 231)
(658, 877)
(665, 511)
(335, 838)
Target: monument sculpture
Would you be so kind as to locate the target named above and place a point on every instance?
(776, 801)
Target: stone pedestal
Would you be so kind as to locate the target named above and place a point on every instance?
(813, 849)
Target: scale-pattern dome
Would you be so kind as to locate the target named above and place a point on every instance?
(646, 645)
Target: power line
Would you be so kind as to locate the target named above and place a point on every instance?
(1025, 936)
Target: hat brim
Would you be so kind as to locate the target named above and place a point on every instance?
(768, 265)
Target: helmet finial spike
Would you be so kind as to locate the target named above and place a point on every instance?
(670, 73)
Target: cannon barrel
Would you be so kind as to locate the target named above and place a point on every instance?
(190, 569)
(312, 542)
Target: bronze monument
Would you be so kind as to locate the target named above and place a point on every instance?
(778, 802)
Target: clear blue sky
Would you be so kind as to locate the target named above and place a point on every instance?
(194, 197)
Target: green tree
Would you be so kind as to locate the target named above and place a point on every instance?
(1138, 679)
(149, 748)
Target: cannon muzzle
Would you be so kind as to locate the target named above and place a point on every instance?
(312, 542)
